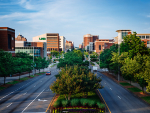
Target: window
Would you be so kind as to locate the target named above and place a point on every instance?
(124, 34)
(9, 41)
(99, 47)
(143, 37)
(139, 36)
(147, 37)
(148, 42)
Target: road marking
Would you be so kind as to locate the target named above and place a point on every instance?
(110, 89)
(9, 105)
(105, 83)
(41, 100)
(31, 102)
(119, 97)
(24, 93)
(35, 85)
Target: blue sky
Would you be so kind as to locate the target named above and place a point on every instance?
(75, 18)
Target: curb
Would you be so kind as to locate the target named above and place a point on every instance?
(48, 110)
(129, 91)
(103, 100)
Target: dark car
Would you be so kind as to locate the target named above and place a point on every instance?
(48, 73)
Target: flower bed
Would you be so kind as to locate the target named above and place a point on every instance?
(78, 104)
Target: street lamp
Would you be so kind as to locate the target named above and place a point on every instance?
(33, 58)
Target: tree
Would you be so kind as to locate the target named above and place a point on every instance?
(5, 64)
(74, 80)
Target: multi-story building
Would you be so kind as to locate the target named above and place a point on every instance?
(7, 39)
(69, 45)
(101, 44)
(62, 43)
(89, 38)
(39, 48)
(20, 38)
(81, 46)
(144, 37)
(52, 40)
(121, 34)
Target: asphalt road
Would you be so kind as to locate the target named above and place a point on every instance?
(119, 100)
(32, 95)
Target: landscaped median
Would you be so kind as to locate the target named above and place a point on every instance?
(18, 81)
(136, 91)
(77, 103)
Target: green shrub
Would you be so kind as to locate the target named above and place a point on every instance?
(57, 103)
(91, 103)
(75, 102)
(100, 105)
(84, 102)
(65, 103)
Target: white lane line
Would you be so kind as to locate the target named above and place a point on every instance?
(110, 89)
(105, 83)
(35, 85)
(24, 93)
(31, 102)
(9, 105)
(119, 97)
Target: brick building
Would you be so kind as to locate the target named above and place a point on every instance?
(69, 45)
(89, 38)
(20, 38)
(52, 40)
(7, 39)
(101, 44)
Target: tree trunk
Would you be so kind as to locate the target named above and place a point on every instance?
(143, 89)
(65, 96)
(69, 96)
(19, 76)
(29, 73)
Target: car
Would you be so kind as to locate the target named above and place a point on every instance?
(48, 73)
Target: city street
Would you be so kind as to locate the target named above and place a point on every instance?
(32, 95)
(119, 100)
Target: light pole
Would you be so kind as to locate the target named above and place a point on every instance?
(33, 58)
(118, 63)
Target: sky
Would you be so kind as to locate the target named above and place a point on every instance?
(75, 18)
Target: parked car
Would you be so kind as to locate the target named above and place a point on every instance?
(48, 73)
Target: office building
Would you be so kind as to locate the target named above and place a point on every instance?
(39, 48)
(7, 40)
(89, 38)
(69, 45)
(52, 40)
(100, 44)
(62, 43)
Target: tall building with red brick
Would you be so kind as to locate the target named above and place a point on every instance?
(89, 38)
(7, 39)
(69, 45)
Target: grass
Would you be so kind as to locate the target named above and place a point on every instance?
(97, 63)
(25, 78)
(13, 82)
(125, 84)
(147, 99)
(1, 88)
(32, 76)
(134, 89)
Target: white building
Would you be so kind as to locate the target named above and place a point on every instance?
(62, 43)
(121, 34)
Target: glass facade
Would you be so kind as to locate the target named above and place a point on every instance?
(29, 50)
(124, 34)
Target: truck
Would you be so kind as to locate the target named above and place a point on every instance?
(94, 68)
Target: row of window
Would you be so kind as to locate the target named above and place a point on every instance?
(52, 38)
(143, 37)
(49, 49)
(52, 34)
(52, 41)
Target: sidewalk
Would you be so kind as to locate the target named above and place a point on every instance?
(9, 79)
